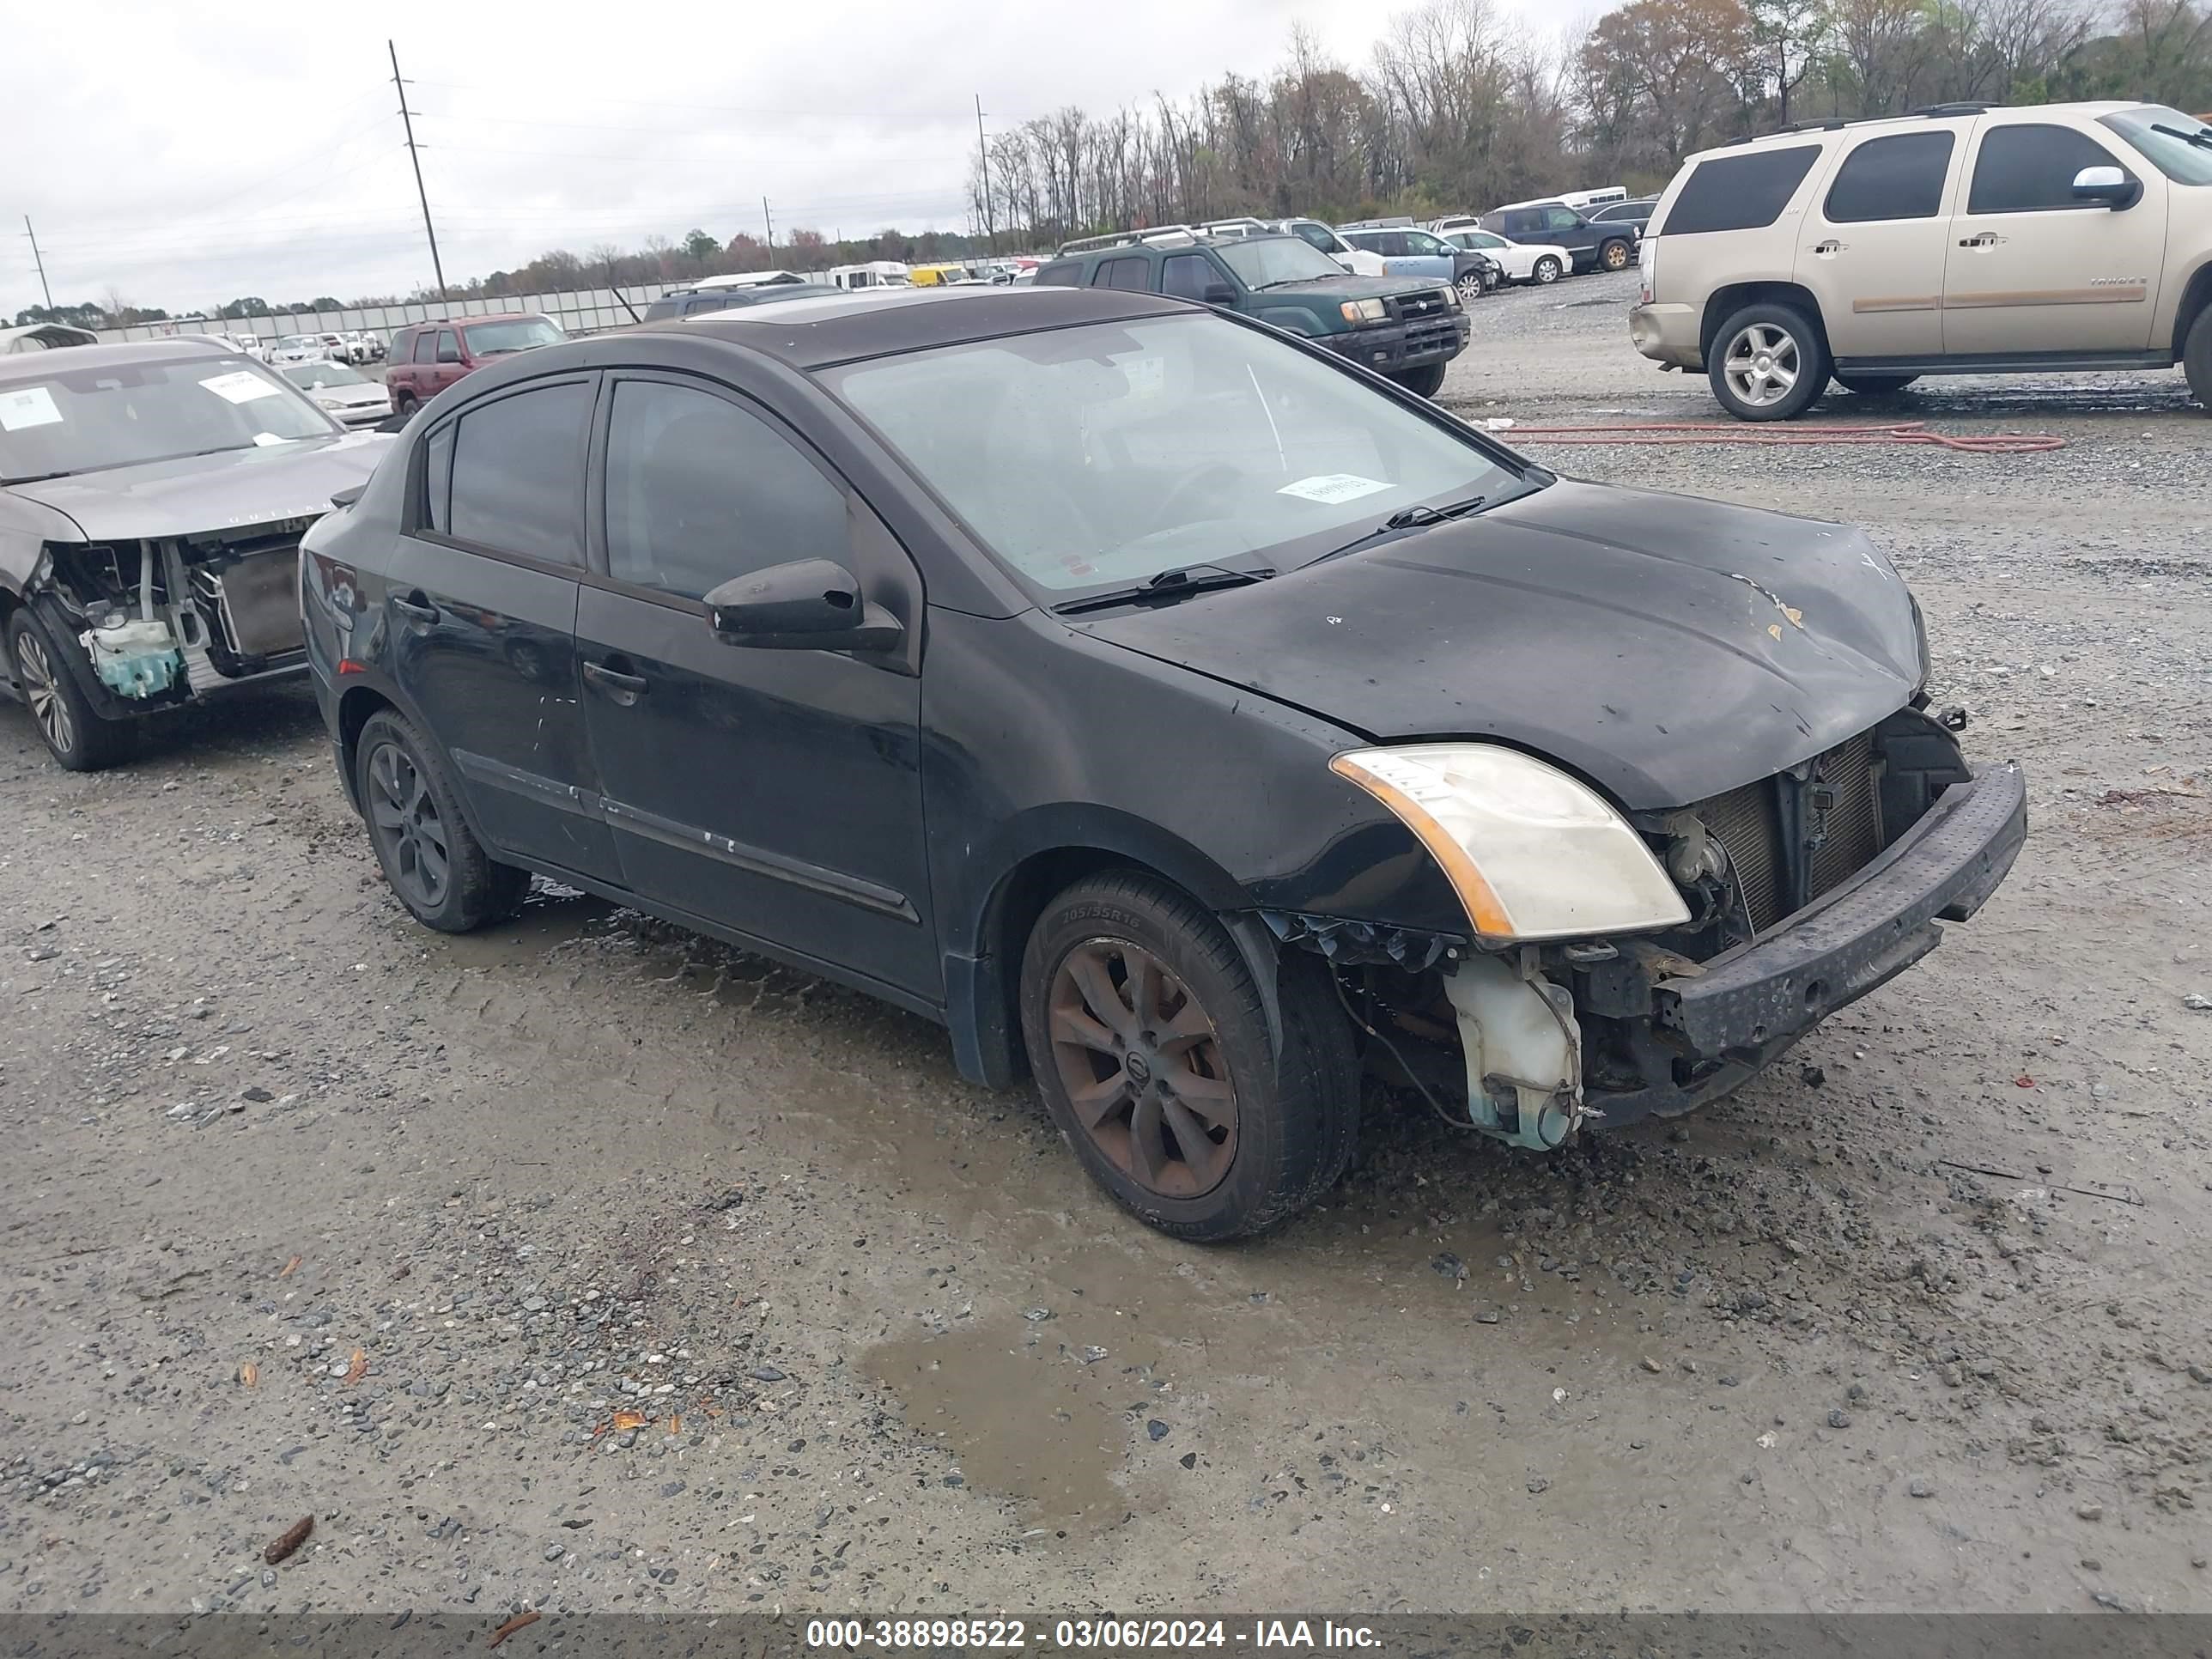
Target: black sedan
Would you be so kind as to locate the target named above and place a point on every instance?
(1172, 709)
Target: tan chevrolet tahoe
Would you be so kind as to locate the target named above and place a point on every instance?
(1962, 240)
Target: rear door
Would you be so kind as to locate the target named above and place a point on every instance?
(2030, 269)
(1871, 248)
(481, 613)
(774, 793)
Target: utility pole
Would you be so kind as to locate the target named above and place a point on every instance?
(770, 221)
(38, 261)
(422, 196)
(983, 157)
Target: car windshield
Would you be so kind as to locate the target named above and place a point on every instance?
(2179, 146)
(491, 339)
(86, 419)
(1264, 261)
(309, 377)
(1095, 456)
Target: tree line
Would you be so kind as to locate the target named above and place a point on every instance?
(1458, 108)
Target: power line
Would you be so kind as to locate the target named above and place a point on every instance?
(415, 156)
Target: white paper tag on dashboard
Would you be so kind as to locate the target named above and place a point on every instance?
(1331, 487)
(30, 405)
(241, 386)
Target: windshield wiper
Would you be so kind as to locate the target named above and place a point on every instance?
(1285, 281)
(1166, 587)
(1416, 517)
(2202, 137)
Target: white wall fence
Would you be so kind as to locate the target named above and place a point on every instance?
(580, 310)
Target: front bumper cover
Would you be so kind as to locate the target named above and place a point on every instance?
(1744, 1007)
(1388, 348)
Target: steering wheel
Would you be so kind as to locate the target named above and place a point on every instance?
(1177, 506)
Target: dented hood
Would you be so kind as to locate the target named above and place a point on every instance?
(199, 493)
(1667, 648)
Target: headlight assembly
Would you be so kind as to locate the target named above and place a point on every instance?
(1364, 311)
(1533, 852)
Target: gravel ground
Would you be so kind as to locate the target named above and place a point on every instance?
(586, 1265)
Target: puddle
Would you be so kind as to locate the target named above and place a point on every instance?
(1029, 1423)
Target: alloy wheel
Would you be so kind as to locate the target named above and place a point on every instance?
(1143, 1068)
(403, 815)
(1762, 364)
(1470, 288)
(35, 672)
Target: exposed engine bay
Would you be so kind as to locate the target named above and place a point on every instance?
(165, 619)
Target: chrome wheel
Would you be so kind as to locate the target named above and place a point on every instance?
(402, 816)
(1762, 364)
(1143, 1068)
(34, 672)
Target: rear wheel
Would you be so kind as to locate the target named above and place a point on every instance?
(1876, 385)
(1546, 271)
(1423, 381)
(1768, 363)
(2197, 358)
(429, 855)
(77, 735)
(1151, 1045)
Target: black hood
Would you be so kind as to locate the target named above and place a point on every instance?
(1667, 648)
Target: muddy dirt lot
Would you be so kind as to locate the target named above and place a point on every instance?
(583, 1264)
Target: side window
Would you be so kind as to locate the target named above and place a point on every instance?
(1319, 236)
(449, 346)
(1187, 276)
(1420, 241)
(1896, 178)
(1559, 218)
(426, 347)
(1060, 274)
(438, 480)
(2031, 168)
(1739, 193)
(700, 490)
(1522, 222)
(1130, 273)
(517, 473)
(1391, 244)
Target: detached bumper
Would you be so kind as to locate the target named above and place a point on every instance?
(1668, 334)
(1719, 1027)
(1387, 348)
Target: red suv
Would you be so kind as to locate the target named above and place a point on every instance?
(428, 357)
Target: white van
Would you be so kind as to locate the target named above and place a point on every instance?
(876, 273)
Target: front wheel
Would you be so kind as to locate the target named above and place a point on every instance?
(1471, 288)
(1614, 255)
(1547, 270)
(1423, 381)
(2197, 358)
(430, 856)
(77, 735)
(1768, 363)
(1150, 1045)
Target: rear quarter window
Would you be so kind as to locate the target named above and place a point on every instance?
(1738, 192)
(1062, 273)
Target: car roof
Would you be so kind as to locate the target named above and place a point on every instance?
(1814, 131)
(813, 334)
(70, 360)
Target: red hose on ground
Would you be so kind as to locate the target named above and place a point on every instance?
(1701, 432)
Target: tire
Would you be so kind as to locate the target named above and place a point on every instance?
(1546, 271)
(1471, 288)
(430, 857)
(1424, 381)
(77, 735)
(1269, 1132)
(1615, 255)
(1756, 346)
(2197, 358)
(1876, 385)
(404, 403)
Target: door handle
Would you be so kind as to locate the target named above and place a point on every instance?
(1830, 248)
(618, 688)
(415, 608)
(1987, 239)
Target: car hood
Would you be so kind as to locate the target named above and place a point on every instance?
(211, 492)
(1666, 648)
(365, 392)
(1352, 287)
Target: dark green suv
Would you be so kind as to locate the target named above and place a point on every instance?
(1405, 328)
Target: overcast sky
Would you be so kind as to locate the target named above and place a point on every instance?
(183, 155)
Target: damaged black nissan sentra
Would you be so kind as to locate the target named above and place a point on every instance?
(1165, 706)
(152, 499)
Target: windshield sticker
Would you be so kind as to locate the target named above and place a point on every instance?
(1333, 487)
(265, 438)
(242, 386)
(32, 405)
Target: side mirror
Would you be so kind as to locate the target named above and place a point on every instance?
(1219, 294)
(809, 604)
(448, 354)
(2109, 185)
